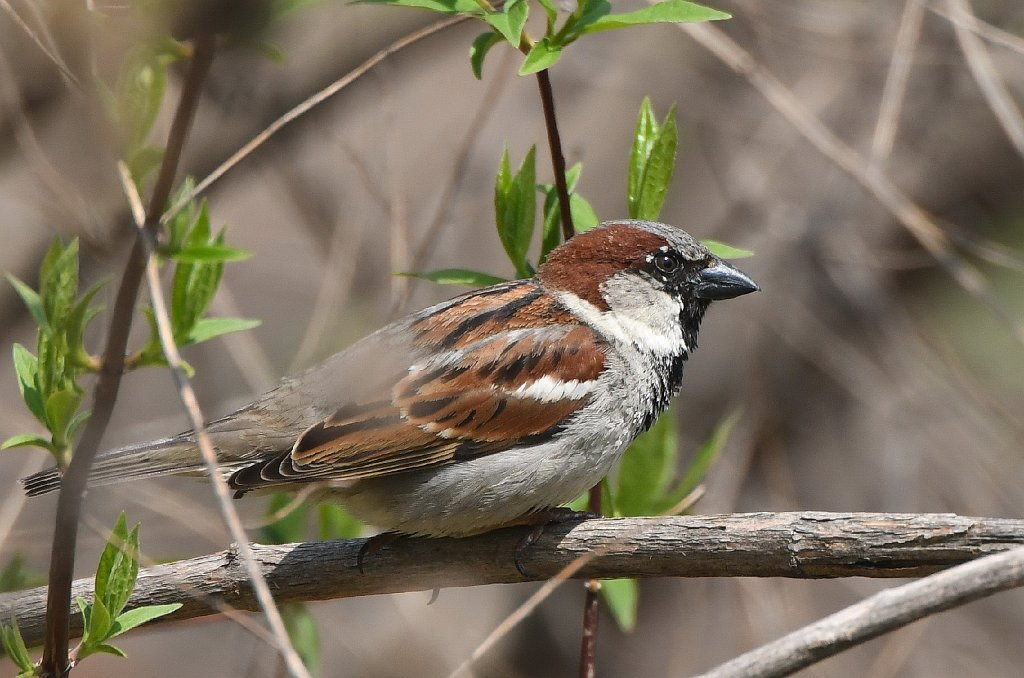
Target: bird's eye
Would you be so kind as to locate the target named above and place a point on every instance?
(666, 262)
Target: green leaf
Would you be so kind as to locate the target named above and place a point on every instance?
(26, 366)
(78, 321)
(61, 407)
(111, 563)
(442, 6)
(643, 140)
(647, 468)
(543, 55)
(670, 11)
(181, 222)
(291, 527)
(126, 621)
(587, 12)
(303, 632)
(583, 216)
(623, 599)
(458, 276)
(337, 523)
(701, 464)
(51, 364)
(83, 606)
(551, 236)
(75, 425)
(98, 627)
(58, 282)
(123, 575)
(515, 203)
(14, 646)
(194, 284)
(141, 90)
(510, 21)
(210, 254)
(479, 49)
(107, 648)
(208, 328)
(726, 251)
(658, 169)
(26, 440)
(31, 299)
(502, 182)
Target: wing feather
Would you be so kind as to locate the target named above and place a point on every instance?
(496, 384)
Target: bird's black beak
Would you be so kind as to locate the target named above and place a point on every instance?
(722, 280)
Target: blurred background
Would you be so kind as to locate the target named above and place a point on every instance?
(869, 379)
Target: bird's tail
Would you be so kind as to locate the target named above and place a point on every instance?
(146, 460)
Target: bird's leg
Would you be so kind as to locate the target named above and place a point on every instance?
(538, 521)
(375, 544)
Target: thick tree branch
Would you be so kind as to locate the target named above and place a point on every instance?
(798, 545)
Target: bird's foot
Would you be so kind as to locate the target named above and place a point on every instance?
(375, 544)
(538, 521)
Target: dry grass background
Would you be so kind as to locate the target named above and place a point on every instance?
(869, 380)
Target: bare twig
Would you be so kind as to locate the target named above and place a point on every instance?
(798, 545)
(108, 383)
(914, 219)
(308, 104)
(591, 605)
(65, 72)
(993, 34)
(188, 398)
(879, 614)
(66, 194)
(985, 74)
(523, 611)
(896, 81)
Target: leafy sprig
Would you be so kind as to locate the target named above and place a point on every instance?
(507, 21)
(104, 616)
(199, 258)
(48, 379)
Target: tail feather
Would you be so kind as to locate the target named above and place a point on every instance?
(147, 460)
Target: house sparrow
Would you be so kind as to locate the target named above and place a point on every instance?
(479, 411)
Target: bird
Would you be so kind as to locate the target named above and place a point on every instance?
(481, 411)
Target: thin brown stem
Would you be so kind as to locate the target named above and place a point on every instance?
(108, 383)
(547, 98)
(591, 605)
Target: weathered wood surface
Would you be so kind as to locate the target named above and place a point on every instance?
(799, 545)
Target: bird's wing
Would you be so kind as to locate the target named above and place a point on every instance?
(483, 387)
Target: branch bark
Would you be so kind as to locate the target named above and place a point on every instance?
(797, 545)
(881, 613)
